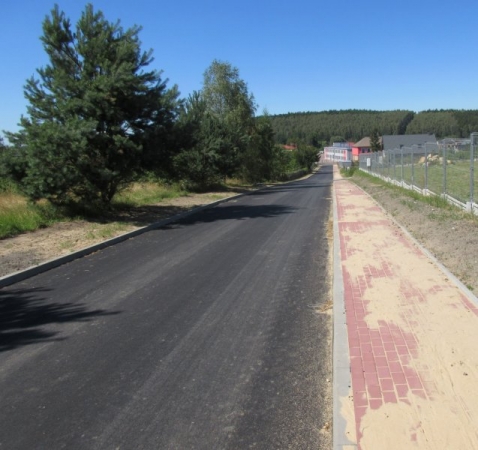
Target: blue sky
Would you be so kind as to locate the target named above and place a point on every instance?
(295, 56)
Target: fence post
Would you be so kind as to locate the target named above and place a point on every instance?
(444, 169)
(413, 170)
(426, 168)
(394, 165)
(473, 139)
(401, 158)
(389, 161)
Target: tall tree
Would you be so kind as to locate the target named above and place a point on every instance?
(200, 139)
(227, 100)
(261, 159)
(375, 144)
(306, 156)
(226, 94)
(92, 110)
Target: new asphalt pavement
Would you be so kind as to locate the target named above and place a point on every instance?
(203, 334)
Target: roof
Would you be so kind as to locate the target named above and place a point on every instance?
(342, 145)
(364, 142)
(290, 147)
(391, 142)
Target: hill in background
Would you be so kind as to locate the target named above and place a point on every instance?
(322, 128)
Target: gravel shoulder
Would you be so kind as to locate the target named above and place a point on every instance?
(450, 234)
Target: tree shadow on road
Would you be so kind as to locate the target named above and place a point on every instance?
(25, 313)
(232, 211)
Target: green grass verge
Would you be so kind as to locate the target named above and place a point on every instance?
(439, 210)
(17, 215)
(146, 193)
(457, 177)
(433, 200)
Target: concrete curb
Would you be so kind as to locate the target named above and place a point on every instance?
(43, 267)
(341, 357)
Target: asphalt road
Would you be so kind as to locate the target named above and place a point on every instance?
(200, 335)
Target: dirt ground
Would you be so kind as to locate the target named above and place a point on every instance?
(450, 235)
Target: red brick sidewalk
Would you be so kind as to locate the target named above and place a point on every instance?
(410, 374)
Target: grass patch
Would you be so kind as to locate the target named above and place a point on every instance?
(373, 179)
(106, 231)
(438, 209)
(67, 245)
(348, 171)
(146, 193)
(237, 183)
(441, 209)
(457, 177)
(216, 196)
(17, 215)
(432, 200)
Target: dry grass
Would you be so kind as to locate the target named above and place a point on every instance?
(142, 193)
(17, 215)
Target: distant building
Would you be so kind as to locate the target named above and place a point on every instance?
(456, 144)
(362, 146)
(338, 152)
(393, 141)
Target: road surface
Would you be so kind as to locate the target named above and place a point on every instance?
(201, 335)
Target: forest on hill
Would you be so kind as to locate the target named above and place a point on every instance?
(322, 128)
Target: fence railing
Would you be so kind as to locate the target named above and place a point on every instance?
(445, 168)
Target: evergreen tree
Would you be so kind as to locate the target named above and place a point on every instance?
(92, 112)
(375, 145)
(306, 156)
(200, 140)
(261, 159)
(337, 139)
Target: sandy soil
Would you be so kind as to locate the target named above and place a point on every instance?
(450, 235)
(31, 249)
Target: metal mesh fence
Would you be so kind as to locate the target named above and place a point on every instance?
(445, 168)
(473, 177)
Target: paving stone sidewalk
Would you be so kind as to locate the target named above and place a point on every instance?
(412, 334)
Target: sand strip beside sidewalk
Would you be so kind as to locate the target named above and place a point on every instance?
(412, 336)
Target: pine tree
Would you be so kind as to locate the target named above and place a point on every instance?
(375, 145)
(92, 112)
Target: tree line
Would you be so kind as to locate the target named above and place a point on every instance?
(323, 128)
(445, 123)
(98, 119)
